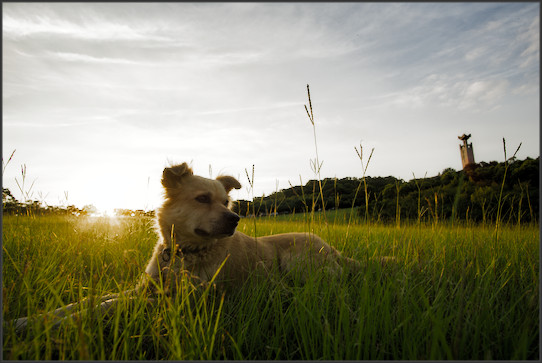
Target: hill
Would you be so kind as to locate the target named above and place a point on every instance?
(471, 194)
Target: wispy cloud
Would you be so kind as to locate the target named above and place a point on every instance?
(482, 93)
(443, 91)
(74, 57)
(531, 37)
(91, 29)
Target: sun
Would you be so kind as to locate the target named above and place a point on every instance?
(104, 212)
(108, 212)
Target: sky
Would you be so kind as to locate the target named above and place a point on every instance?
(98, 98)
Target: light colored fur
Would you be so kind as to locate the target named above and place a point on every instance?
(183, 214)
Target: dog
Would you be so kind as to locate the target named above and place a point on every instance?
(198, 239)
(196, 224)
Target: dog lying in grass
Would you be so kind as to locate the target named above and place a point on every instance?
(198, 238)
(196, 223)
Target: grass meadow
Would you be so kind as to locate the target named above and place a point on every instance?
(458, 292)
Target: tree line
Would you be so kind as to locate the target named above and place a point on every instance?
(480, 193)
(10, 205)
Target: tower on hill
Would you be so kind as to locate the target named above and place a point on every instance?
(467, 155)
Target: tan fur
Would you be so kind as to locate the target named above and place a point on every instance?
(204, 230)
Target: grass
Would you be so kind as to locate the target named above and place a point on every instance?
(457, 293)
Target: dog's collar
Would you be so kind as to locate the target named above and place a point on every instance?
(179, 252)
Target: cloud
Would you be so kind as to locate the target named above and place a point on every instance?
(482, 93)
(531, 37)
(476, 53)
(439, 90)
(90, 29)
(58, 122)
(530, 87)
(74, 57)
(265, 108)
(489, 51)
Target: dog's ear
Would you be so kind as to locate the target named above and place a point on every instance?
(229, 182)
(172, 175)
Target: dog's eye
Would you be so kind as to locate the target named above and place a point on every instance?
(203, 199)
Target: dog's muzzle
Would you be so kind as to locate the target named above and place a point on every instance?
(223, 227)
(229, 223)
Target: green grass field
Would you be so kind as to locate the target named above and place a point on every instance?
(457, 293)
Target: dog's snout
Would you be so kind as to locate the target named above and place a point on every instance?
(231, 218)
(228, 223)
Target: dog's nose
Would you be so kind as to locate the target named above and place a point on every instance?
(231, 218)
(229, 223)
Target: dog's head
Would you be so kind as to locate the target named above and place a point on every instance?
(196, 209)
